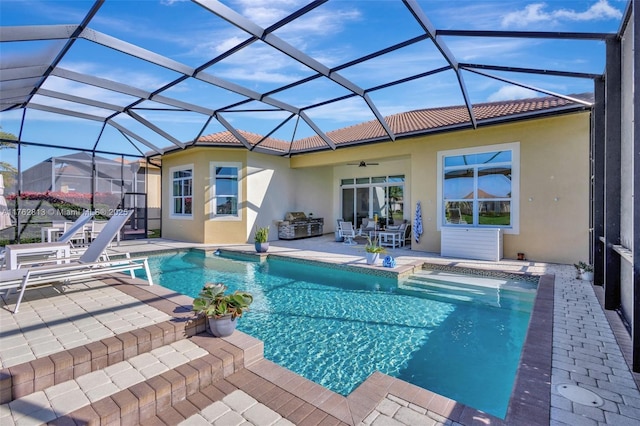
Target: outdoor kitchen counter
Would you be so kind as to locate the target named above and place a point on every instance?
(298, 225)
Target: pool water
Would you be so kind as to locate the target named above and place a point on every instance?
(337, 327)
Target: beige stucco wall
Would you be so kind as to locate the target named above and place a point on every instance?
(554, 165)
(275, 189)
(554, 154)
(199, 228)
(269, 189)
(554, 186)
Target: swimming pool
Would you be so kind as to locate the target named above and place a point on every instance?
(336, 327)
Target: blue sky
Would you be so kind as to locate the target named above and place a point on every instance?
(333, 33)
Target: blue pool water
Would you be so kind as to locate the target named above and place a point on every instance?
(337, 327)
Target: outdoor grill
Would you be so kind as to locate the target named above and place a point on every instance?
(298, 225)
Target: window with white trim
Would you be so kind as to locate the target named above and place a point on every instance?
(182, 191)
(478, 187)
(225, 187)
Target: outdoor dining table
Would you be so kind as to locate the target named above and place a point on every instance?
(389, 238)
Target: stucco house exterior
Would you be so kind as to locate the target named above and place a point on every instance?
(523, 170)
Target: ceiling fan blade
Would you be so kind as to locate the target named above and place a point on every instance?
(362, 164)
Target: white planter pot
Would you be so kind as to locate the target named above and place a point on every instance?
(372, 258)
(586, 276)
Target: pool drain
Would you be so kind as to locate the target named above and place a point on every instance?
(580, 395)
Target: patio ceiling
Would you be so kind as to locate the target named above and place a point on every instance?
(92, 62)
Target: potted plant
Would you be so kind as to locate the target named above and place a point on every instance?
(261, 238)
(221, 309)
(373, 250)
(585, 271)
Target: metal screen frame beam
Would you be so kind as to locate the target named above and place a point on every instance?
(527, 34)
(537, 89)
(598, 160)
(635, 337)
(612, 179)
(277, 43)
(430, 29)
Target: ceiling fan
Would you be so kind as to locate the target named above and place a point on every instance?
(362, 164)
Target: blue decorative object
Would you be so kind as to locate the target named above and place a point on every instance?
(389, 262)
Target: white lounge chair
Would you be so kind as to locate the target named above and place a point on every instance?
(346, 231)
(38, 251)
(86, 266)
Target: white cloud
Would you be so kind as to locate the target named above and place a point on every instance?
(471, 50)
(312, 29)
(322, 20)
(510, 93)
(601, 10)
(537, 12)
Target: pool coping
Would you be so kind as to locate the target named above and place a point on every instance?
(530, 399)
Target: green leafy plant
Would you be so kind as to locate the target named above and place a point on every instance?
(374, 246)
(213, 302)
(262, 234)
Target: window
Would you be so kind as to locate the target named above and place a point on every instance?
(478, 187)
(182, 192)
(225, 189)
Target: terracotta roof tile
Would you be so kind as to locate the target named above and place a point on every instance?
(405, 123)
(227, 138)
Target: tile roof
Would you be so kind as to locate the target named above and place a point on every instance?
(409, 123)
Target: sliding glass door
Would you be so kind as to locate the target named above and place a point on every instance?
(381, 197)
(348, 204)
(362, 205)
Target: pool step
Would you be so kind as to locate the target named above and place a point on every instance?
(136, 389)
(76, 394)
(449, 287)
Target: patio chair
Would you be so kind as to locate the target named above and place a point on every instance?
(347, 232)
(96, 227)
(367, 225)
(87, 265)
(77, 238)
(75, 230)
(407, 235)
